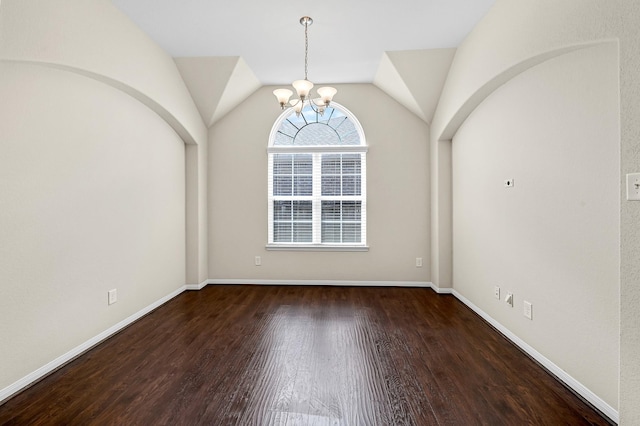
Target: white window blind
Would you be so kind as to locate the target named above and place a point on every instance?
(317, 181)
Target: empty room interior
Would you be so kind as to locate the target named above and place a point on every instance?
(487, 160)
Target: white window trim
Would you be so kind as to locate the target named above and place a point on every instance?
(329, 149)
(311, 149)
(315, 247)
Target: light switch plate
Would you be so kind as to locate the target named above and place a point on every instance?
(633, 186)
(528, 310)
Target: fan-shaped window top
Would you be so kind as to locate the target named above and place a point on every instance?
(333, 128)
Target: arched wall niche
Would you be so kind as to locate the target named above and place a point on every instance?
(515, 37)
(175, 123)
(98, 41)
(448, 130)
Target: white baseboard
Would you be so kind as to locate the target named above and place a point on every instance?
(560, 374)
(197, 286)
(79, 350)
(443, 290)
(235, 281)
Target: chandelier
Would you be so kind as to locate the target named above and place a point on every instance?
(303, 87)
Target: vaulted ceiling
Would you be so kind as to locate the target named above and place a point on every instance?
(404, 47)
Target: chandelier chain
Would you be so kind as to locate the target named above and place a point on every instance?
(306, 49)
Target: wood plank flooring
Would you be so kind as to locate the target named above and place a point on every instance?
(286, 355)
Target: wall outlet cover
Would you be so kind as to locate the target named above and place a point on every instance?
(113, 296)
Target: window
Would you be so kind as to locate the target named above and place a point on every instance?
(317, 181)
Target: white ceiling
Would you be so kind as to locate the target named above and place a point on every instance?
(346, 40)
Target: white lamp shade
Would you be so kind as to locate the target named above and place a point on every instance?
(283, 95)
(303, 87)
(326, 93)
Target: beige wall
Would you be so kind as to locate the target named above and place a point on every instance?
(630, 213)
(513, 37)
(398, 187)
(196, 215)
(94, 118)
(96, 40)
(552, 239)
(92, 186)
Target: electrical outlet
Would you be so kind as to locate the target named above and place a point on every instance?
(258, 261)
(508, 183)
(418, 262)
(113, 296)
(496, 292)
(509, 299)
(528, 310)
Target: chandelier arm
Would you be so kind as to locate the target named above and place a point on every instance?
(315, 108)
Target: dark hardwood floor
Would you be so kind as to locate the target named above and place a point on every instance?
(284, 355)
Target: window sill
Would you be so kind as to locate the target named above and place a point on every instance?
(315, 247)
